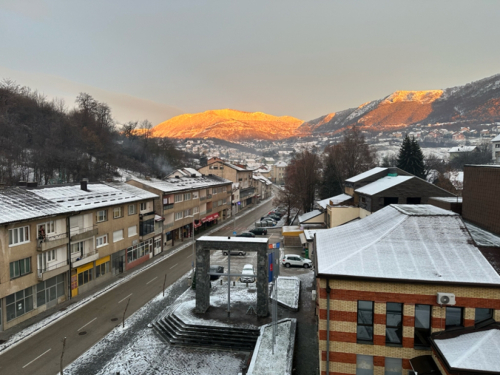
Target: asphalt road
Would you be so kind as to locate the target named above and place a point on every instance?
(40, 354)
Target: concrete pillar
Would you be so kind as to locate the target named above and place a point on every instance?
(262, 283)
(202, 278)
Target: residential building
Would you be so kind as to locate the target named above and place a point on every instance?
(495, 148)
(57, 241)
(278, 172)
(263, 187)
(387, 284)
(188, 203)
(460, 150)
(241, 178)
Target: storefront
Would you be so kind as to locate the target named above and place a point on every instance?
(139, 253)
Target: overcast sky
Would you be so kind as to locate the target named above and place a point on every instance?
(157, 59)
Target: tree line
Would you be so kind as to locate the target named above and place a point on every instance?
(43, 141)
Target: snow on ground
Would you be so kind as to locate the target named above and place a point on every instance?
(288, 292)
(263, 361)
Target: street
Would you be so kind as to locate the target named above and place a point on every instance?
(41, 352)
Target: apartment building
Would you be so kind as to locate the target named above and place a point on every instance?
(244, 191)
(495, 149)
(263, 187)
(278, 172)
(392, 283)
(188, 203)
(57, 241)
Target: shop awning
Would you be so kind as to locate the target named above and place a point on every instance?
(210, 218)
(197, 223)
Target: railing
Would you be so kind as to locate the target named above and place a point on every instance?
(79, 230)
(209, 210)
(52, 267)
(168, 225)
(52, 237)
(168, 206)
(86, 255)
(203, 212)
(203, 198)
(209, 196)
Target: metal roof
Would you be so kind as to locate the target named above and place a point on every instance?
(366, 174)
(382, 184)
(172, 185)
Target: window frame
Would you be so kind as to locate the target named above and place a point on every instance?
(145, 205)
(118, 210)
(178, 198)
(120, 239)
(103, 243)
(362, 324)
(456, 309)
(101, 218)
(15, 302)
(491, 315)
(392, 327)
(134, 211)
(176, 215)
(424, 330)
(25, 262)
(133, 234)
(26, 235)
(186, 197)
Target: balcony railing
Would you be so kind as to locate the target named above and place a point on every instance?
(81, 232)
(203, 198)
(209, 210)
(52, 267)
(203, 212)
(51, 240)
(168, 225)
(86, 255)
(168, 206)
(209, 196)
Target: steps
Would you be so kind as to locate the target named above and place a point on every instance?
(176, 332)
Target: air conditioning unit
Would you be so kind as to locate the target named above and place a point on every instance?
(445, 299)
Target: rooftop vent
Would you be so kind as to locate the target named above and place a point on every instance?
(83, 184)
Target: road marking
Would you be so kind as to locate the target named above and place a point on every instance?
(78, 330)
(151, 280)
(174, 265)
(125, 298)
(27, 364)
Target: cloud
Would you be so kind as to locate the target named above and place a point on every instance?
(124, 107)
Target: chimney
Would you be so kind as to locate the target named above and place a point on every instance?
(83, 184)
(33, 184)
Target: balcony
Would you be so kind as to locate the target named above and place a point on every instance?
(209, 210)
(52, 270)
(52, 241)
(168, 225)
(168, 206)
(78, 234)
(148, 216)
(209, 196)
(203, 198)
(248, 192)
(86, 258)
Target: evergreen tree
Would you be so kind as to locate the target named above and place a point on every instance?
(411, 158)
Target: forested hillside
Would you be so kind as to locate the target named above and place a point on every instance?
(40, 140)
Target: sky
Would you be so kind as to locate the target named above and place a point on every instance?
(158, 59)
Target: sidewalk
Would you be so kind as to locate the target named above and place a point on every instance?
(13, 336)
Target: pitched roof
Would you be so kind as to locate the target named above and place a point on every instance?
(472, 351)
(309, 215)
(382, 184)
(335, 200)
(406, 242)
(496, 139)
(366, 174)
(482, 237)
(462, 149)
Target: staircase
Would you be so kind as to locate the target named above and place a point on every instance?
(176, 332)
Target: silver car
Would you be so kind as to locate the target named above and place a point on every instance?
(247, 270)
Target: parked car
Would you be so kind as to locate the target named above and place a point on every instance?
(245, 234)
(216, 269)
(268, 220)
(274, 217)
(258, 231)
(247, 270)
(295, 260)
(234, 252)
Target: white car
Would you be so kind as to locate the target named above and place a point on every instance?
(295, 260)
(247, 270)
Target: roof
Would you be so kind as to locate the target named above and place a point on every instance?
(496, 139)
(448, 199)
(366, 174)
(73, 198)
(482, 237)
(309, 215)
(335, 200)
(171, 185)
(309, 233)
(463, 149)
(382, 184)
(405, 242)
(280, 164)
(472, 351)
(232, 239)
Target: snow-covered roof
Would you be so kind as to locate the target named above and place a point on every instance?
(262, 178)
(280, 164)
(233, 166)
(496, 139)
(309, 234)
(448, 199)
(335, 200)
(232, 239)
(462, 149)
(482, 237)
(72, 197)
(309, 215)
(366, 174)
(382, 184)
(171, 185)
(407, 242)
(472, 351)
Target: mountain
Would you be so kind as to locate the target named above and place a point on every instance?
(230, 125)
(474, 103)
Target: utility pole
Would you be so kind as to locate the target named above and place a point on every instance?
(62, 354)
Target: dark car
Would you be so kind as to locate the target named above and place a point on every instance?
(216, 269)
(274, 217)
(245, 234)
(258, 231)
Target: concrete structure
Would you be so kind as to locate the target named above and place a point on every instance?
(380, 286)
(495, 149)
(203, 247)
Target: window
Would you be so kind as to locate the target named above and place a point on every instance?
(84, 277)
(482, 315)
(131, 209)
(117, 212)
(147, 227)
(187, 196)
(195, 195)
(144, 206)
(394, 324)
(101, 269)
(101, 241)
(118, 235)
(51, 255)
(178, 215)
(240, 179)
(45, 229)
(178, 198)
(365, 322)
(364, 364)
(196, 210)
(132, 231)
(49, 290)
(224, 201)
(393, 366)
(20, 268)
(422, 326)
(219, 203)
(454, 317)
(214, 191)
(77, 248)
(188, 212)
(102, 216)
(19, 236)
(138, 251)
(19, 303)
